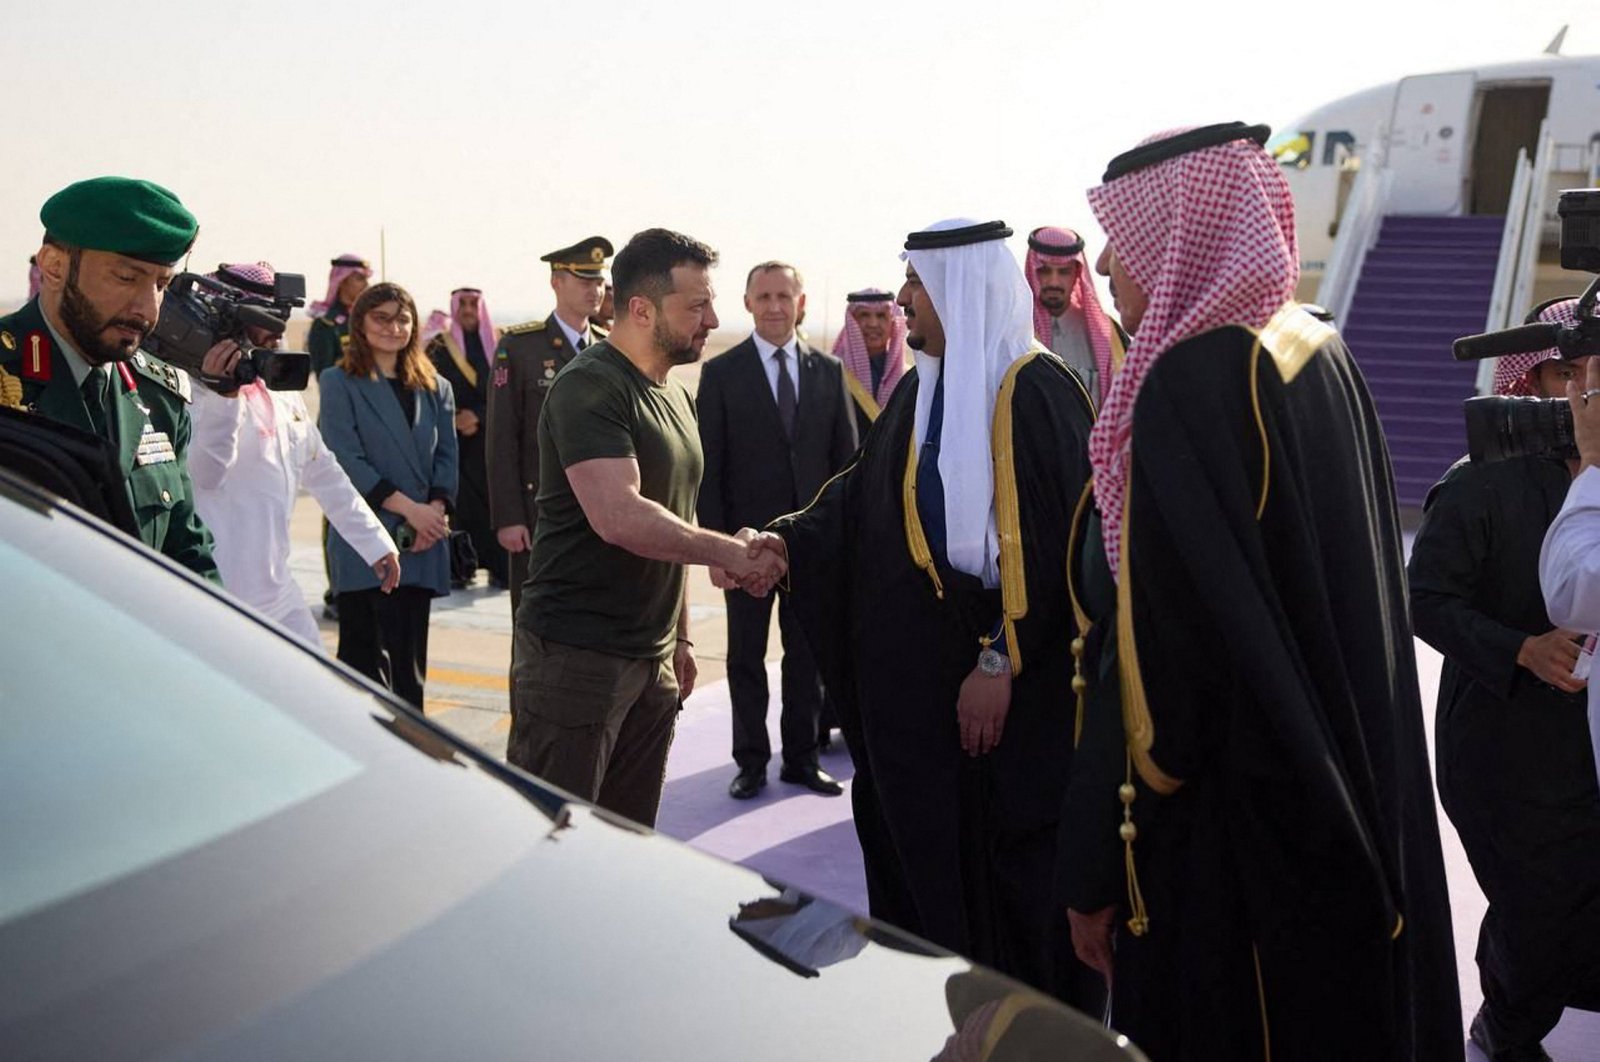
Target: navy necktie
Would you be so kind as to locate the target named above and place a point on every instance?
(930, 485)
(787, 400)
(583, 341)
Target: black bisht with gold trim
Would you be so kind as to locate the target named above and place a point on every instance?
(1255, 672)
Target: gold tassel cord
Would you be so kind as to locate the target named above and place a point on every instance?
(1080, 684)
(1138, 916)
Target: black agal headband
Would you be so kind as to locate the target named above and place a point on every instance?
(1146, 155)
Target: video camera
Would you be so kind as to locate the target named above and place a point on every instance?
(199, 312)
(1500, 426)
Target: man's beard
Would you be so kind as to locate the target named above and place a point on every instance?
(85, 325)
(679, 350)
(916, 342)
(1053, 300)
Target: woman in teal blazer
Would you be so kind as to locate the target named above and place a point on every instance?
(390, 420)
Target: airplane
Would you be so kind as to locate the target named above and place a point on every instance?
(1426, 210)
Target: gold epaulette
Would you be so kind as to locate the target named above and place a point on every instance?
(524, 328)
(597, 330)
(10, 390)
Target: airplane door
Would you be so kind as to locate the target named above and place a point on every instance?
(1428, 142)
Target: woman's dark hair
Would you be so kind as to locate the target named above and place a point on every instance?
(644, 267)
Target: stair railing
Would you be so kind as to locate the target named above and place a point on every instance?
(1518, 261)
(1358, 231)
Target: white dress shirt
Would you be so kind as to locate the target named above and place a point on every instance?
(770, 365)
(246, 475)
(1569, 573)
(572, 336)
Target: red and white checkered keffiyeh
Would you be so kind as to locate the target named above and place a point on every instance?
(35, 278)
(254, 394)
(336, 276)
(1209, 237)
(1083, 299)
(1513, 373)
(437, 322)
(851, 349)
(485, 326)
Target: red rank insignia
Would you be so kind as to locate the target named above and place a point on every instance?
(127, 375)
(36, 358)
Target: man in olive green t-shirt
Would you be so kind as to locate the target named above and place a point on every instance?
(601, 657)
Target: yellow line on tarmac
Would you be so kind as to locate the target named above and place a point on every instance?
(474, 679)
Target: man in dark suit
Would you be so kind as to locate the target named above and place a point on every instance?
(775, 424)
(525, 365)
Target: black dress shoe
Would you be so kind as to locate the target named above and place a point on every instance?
(1479, 1035)
(814, 779)
(747, 784)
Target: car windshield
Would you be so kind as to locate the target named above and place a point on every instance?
(145, 718)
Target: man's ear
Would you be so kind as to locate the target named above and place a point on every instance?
(55, 264)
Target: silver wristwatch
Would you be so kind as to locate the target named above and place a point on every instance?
(993, 663)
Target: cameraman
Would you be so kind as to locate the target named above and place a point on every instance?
(1514, 770)
(252, 451)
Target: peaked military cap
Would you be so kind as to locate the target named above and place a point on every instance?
(586, 258)
(122, 215)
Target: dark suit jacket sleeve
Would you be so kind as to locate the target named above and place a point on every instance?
(844, 441)
(503, 441)
(713, 441)
(445, 473)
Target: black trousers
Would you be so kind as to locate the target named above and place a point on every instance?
(385, 637)
(749, 619)
(472, 508)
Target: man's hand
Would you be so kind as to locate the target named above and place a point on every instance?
(981, 711)
(219, 363)
(388, 572)
(1586, 415)
(429, 522)
(514, 539)
(684, 668)
(1091, 939)
(763, 565)
(466, 422)
(1551, 655)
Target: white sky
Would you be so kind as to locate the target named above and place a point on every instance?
(480, 136)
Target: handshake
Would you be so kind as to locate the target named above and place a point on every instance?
(758, 567)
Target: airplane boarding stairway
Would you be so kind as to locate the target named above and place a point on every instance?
(1426, 282)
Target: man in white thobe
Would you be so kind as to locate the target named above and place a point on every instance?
(250, 454)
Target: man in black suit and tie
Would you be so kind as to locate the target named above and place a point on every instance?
(775, 424)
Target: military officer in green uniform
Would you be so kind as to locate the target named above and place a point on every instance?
(330, 318)
(526, 360)
(109, 249)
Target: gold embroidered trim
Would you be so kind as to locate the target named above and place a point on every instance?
(916, 541)
(1261, 994)
(1007, 1012)
(1119, 353)
(858, 391)
(1008, 511)
(1136, 718)
(459, 356)
(1293, 336)
(1261, 427)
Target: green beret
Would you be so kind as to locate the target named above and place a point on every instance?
(122, 215)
